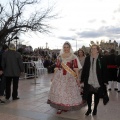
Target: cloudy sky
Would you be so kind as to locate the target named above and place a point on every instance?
(80, 21)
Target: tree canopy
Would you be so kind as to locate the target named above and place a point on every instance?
(13, 21)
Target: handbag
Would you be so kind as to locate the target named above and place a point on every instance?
(105, 95)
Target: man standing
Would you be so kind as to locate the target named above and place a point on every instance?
(12, 67)
(112, 70)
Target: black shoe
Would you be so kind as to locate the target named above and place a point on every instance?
(88, 112)
(2, 102)
(109, 89)
(115, 89)
(16, 98)
(94, 112)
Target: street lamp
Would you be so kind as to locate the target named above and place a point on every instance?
(76, 38)
(16, 38)
(46, 45)
(76, 43)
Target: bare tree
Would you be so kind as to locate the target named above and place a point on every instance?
(13, 21)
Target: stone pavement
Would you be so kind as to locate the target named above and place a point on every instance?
(32, 104)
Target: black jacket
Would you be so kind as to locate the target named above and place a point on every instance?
(12, 63)
(101, 70)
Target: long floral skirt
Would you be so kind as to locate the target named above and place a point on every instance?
(64, 92)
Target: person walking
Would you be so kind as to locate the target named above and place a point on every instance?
(94, 78)
(64, 93)
(112, 70)
(12, 67)
(118, 73)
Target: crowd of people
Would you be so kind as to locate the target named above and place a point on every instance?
(76, 78)
(12, 67)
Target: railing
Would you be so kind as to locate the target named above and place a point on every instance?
(33, 69)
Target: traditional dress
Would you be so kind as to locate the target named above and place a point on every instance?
(64, 92)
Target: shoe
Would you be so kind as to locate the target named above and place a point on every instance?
(115, 89)
(2, 102)
(16, 98)
(118, 91)
(88, 112)
(59, 111)
(94, 112)
(109, 89)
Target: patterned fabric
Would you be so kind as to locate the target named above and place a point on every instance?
(71, 61)
(64, 92)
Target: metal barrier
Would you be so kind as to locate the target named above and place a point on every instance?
(33, 70)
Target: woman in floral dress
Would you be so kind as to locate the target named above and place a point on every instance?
(64, 93)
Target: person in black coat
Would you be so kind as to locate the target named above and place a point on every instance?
(94, 77)
(12, 67)
(112, 70)
(118, 77)
(46, 62)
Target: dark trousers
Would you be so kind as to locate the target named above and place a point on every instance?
(2, 85)
(96, 100)
(112, 74)
(15, 81)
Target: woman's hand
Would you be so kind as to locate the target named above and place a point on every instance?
(81, 84)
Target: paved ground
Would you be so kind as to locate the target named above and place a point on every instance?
(32, 104)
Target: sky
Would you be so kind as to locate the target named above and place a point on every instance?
(79, 22)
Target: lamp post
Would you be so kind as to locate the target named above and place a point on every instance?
(46, 45)
(16, 38)
(77, 42)
(76, 38)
